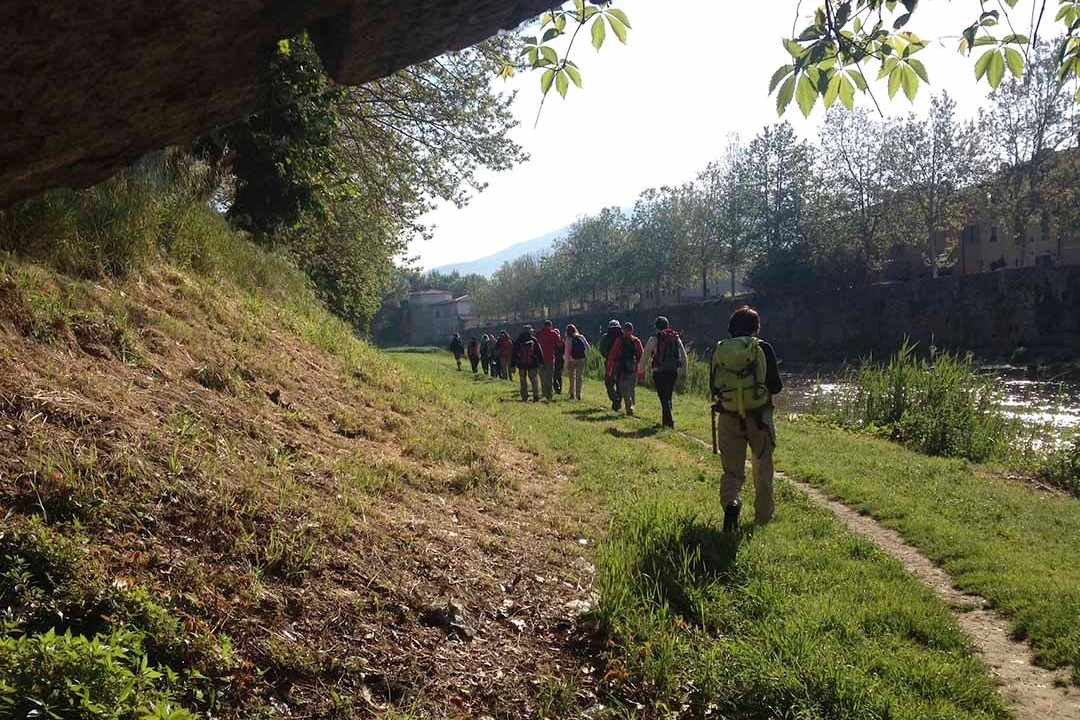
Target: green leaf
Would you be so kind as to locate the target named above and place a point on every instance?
(894, 80)
(832, 91)
(995, 72)
(549, 54)
(920, 69)
(562, 83)
(574, 73)
(794, 49)
(621, 15)
(783, 97)
(546, 79)
(910, 82)
(983, 63)
(806, 95)
(858, 79)
(901, 21)
(550, 34)
(780, 75)
(1015, 61)
(888, 67)
(618, 28)
(847, 93)
(598, 32)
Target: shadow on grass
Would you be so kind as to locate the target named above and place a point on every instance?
(688, 565)
(633, 434)
(594, 415)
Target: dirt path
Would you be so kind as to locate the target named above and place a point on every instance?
(1033, 690)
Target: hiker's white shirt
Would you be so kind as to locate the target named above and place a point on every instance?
(650, 348)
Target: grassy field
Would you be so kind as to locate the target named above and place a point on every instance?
(797, 619)
(998, 537)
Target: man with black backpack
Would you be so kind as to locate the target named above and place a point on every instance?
(611, 383)
(528, 358)
(622, 364)
(744, 377)
(665, 350)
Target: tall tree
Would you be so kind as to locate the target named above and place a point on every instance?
(931, 162)
(854, 166)
(1032, 119)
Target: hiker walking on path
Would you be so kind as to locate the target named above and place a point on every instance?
(457, 348)
(485, 353)
(574, 355)
(506, 355)
(548, 339)
(496, 357)
(611, 383)
(622, 364)
(528, 357)
(665, 350)
(474, 354)
(560, 361)
(744, 377)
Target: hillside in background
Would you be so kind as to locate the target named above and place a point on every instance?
(489, 264)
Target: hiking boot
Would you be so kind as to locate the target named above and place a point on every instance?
(615, 406)
(731, 518)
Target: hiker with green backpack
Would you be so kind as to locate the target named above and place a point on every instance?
(665, 353)
(744, 377)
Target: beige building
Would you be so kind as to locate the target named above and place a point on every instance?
(986, 245)
(435, 315)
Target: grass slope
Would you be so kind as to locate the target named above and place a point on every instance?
(797, 619)
(216, 501)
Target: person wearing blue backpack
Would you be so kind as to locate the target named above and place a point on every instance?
(744, 377)
(666, 354)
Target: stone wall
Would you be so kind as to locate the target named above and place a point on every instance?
(990, 314)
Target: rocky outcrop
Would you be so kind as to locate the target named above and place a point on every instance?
(88, 86)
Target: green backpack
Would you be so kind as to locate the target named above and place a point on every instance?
(738, 375)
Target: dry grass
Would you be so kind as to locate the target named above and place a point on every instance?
(264, 475)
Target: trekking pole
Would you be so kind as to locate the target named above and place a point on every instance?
(715, 450)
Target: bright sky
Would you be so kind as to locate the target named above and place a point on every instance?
(658, 109)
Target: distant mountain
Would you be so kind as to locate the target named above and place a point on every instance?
(491, 263)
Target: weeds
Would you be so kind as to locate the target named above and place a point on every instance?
(938, 405)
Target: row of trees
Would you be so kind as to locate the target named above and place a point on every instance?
(783, 211)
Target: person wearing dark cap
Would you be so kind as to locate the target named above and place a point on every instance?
(665, 353)
(611, 383)
(745, 376)
(622, 364)
(528, 357)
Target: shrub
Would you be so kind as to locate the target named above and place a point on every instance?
(938, 405)
(72, 677)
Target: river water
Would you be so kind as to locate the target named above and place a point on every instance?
(1053, 403)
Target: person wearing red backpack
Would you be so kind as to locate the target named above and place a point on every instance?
(506, 355)
(549, 341)
(474, 353)
(667, 354)
(528, 357)
(622, 364)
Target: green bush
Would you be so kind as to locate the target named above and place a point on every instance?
(938, 405)
(72, 677)
(1062, 467)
